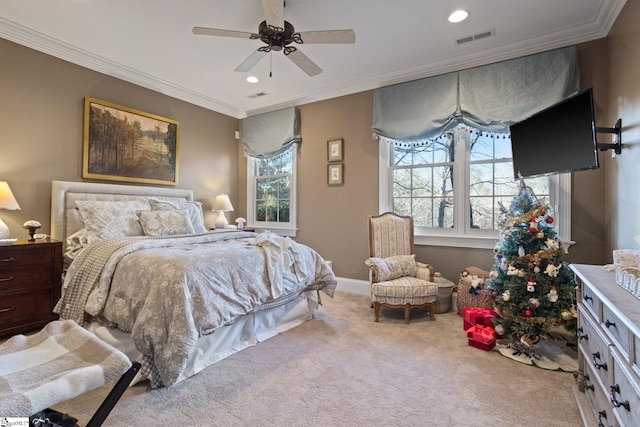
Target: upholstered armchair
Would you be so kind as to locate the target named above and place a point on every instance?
(397, 280)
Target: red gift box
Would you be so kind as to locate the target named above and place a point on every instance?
(477, 316)
(482, 334)
(482, 346)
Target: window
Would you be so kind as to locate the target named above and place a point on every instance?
(271, 183)
(454, 186)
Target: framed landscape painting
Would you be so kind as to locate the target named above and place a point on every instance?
(122, 144)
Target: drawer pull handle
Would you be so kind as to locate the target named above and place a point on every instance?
(601, 414)
(597, 365)
(4, 310)
(616, 389)
(6, 279)
(581, 335)
(607, 323)
(587, 298)
(7, 259)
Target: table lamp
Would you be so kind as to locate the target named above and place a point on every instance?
(7, 201)
(221, 205)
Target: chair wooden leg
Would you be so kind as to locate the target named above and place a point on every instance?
(376, 311)
(432, 311)
(407, 313)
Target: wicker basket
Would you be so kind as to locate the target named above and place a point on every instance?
(466, 299)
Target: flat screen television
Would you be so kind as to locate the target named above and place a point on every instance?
(561, 138)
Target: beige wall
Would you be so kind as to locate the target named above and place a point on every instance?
(41, 118)
(622, 201)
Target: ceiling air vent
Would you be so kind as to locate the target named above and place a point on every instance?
(475, 37)
(257, 95)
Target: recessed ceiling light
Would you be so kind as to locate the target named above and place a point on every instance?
(458, 16)
(252, 79)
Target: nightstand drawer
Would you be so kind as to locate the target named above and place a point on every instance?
(24, 256)
(25, 307)
(18, 278)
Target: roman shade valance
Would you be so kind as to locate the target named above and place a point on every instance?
(268, 134)
(490, 97)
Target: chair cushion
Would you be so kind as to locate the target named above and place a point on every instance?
(404, 290)
(393, 267)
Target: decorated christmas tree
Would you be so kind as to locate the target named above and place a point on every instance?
(534, 287)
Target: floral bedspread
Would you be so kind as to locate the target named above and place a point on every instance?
(170, 291)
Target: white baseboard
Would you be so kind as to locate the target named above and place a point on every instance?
(354, 286)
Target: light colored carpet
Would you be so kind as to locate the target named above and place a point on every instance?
(343, 369)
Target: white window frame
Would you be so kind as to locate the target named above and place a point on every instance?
(559, 195)
(288, 229)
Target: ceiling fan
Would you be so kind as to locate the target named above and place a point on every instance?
(278, 35)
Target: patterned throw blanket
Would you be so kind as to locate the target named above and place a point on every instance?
(58, 363)
(168, 292)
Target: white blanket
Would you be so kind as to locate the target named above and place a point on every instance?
(58, 363)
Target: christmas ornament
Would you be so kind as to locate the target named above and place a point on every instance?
(521, 273)
(521, 251)
(551, 244)
(534, 302)
(528, 312)
(552, 270)
(566, 315)
(506, 295)
(493, 275)
(512, 271)
(503, 264)
(533, 226)
(531, 285)
(540, 234)
(549, 219)
(499, 330)
(553, 294)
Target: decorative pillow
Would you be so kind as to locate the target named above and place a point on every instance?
(193, 208)
(109, 219)
(393, 267)
(165, 223)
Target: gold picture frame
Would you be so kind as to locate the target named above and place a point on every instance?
(335, 174)
(334, 150)
(123, 144)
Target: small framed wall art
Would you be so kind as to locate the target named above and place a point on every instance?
(335, 174)
(334, 150)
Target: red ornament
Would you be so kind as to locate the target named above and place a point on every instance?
(549, 220)
(533, 226)
(528, 312)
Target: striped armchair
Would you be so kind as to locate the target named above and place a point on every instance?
(397, 280)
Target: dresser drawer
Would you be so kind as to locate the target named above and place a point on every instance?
(25, 277)
(617, 330)
(598, 398)
(594, 346)
(624, 392)
(591, 300)
(25, 307)
(17, 256)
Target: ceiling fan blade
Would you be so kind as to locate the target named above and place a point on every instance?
(274, 12)
(251, 61)
(328, 36)
(223, 33)
(305, 64)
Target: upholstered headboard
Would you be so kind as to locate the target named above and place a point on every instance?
(65, 218)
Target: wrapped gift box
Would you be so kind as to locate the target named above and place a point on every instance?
(482, 337)
(477, 316)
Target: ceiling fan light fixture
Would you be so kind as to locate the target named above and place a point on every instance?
(458, 16)
(252, 79)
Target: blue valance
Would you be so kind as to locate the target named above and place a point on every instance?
(268, 134)
(489, 98)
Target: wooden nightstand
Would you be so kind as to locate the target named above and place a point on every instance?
(30, 284)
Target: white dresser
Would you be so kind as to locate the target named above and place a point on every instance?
(609, 349)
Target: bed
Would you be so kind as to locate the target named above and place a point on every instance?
(144, 274)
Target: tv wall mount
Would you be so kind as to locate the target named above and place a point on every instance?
(617, 145)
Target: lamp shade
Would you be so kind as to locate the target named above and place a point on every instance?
(222, 203)
(7, 201)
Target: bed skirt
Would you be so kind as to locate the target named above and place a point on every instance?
(246, 331)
